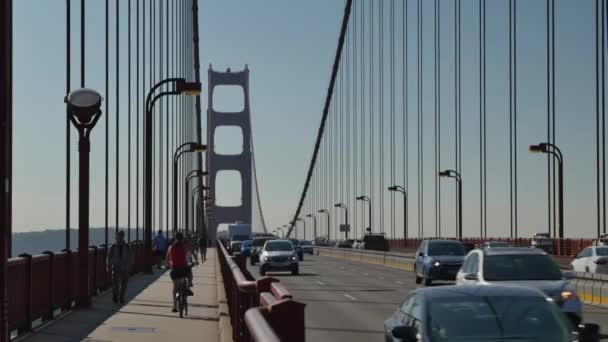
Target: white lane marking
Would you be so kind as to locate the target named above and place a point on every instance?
(320, 282)
(349, 296)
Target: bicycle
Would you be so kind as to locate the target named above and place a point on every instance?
(182, 297)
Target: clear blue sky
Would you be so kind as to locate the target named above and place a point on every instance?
(289, 47)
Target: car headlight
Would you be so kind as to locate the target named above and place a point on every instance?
(436, 263)
(293, 258)
(566, 295)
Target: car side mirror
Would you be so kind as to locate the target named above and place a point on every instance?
(589, 332)
(405, 333)
(471, 276)
(420, 254)
(569, 275)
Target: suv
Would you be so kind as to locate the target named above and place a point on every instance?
(438, 260)
(542, 241)
(306, 246)
(375, 242)
(256, 247)
(279, 255)
(522, 266)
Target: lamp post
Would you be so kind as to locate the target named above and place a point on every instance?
(188, 147)
(192, 174)
(343, 206)
(369, 208)
(84, 106)
(325, 211)
(180, 86)
(195, 192)
(304, 227)
(557, 153)
(282, 233)
(314, 229)
(402, 190)
(456, 175)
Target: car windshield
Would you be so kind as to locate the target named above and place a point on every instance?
(601, 251)
(498, 244)
(260, 242)
(446, 248)
(278, 246)
(495, 318)
(520, 267)
(240, 237)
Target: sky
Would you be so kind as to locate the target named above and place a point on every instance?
(289, 48)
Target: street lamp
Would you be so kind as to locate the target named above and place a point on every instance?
(369, 207)
(314, 218)
(325, 211)
(180, 86)
(282, 232)
(402, 190)
(456, 175)
(195, 192)
(346, 227)
(304, 226)
(555, 151)
(183, 148)
(84, 107)
(192, 174)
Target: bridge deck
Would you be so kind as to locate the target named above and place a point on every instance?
(147, 315)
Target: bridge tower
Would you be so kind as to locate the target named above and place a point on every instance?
(219, 162)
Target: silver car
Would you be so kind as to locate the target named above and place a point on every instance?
(279, 255)
(522, 266)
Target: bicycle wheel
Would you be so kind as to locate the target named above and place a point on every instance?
(180, 304)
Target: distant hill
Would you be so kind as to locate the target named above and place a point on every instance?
(54, 240)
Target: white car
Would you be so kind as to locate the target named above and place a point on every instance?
(593, 259)
(358, 244)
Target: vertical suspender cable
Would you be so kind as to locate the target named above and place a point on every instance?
(392, 146)
(549, 157)
(138, 95)
(117, 114)
(406, 132)
(435, 136)
(485, 169)
(515, 186)
(68, 76)
(82, 43)
(363, 119)
(161, 114)
(168, 154)
(371, 112)
(129, 127)
(554, 168)
(107, 132)
(143, 89)
(420, 121)
(438, 143)
(381, 107)
(511, 118)
(603, 99)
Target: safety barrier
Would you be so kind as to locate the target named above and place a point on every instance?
(40, 287)
(262, 309)
(560, 247)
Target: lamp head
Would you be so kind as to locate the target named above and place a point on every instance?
(392, 188)
(322, 211)
(188, 88)
(339, 205)
(540, 148)
(84, 105)
(308, 215)
(198, 148)
(445, 173)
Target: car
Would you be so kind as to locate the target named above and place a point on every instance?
(492, 244)
(256, 247)
(235, 246)
(279, 255)
(482, 313)
(359, 244)
(298, 248)
(542, 241)
(593, 259)
(602, 240)
(307, 246)
(344, 244)
(246, 248)
(438, 260)
(522, 266)
(376, 242)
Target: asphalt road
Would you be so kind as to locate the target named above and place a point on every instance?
(349, 301)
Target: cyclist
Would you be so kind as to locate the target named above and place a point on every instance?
(177, 262)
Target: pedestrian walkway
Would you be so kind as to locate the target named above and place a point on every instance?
(147, 315)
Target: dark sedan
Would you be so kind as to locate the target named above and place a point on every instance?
(482, 313)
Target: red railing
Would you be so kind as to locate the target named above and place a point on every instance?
(41, 285)
(561, 247)
(262, 309)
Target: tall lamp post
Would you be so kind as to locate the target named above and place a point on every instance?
(557, 153)
(369, 208)
(191, 175)
(84, 106)
(325, 211)
(180, 86)
(304, 227)
(195, 192)
(188, 147)
(456, 175)
(402, 190)
(343, 206)
(314, 227)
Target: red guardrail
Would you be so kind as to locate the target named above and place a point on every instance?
(561, 247)
(262, 309)
(40, 285)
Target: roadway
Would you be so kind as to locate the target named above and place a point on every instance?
(349, 301)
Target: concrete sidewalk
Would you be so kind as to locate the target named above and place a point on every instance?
(147, 315)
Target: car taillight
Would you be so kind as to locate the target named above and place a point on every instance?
(601, 261)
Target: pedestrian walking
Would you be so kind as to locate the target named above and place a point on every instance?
(118, 264)
(159, 246)
(202, 244)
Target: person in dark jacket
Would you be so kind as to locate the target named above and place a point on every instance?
(118, 263)
(202, 245)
